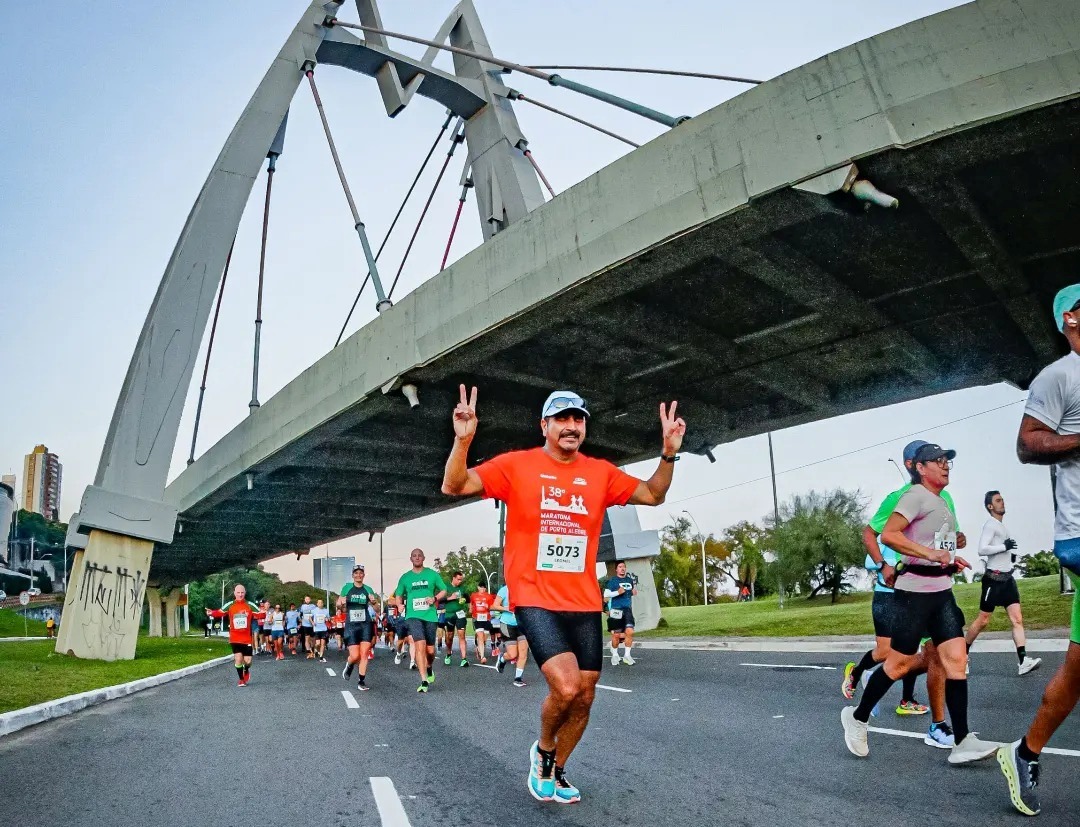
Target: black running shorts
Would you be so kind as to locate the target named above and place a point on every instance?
(624, 621)
(357, 633)
(242, 649)
(924, 614)
(883, 608)
(552, 633)
(482, 626)
(453, 622)
(997, 593)
(509, 633)
(421, 630)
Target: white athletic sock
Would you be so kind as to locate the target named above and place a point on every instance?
(614, 650)
(517, 673)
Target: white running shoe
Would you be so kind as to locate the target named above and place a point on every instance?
(1029, 665)
(972, 749)
(397, 658)
(854, 733)
(614, 657)
(628, 659)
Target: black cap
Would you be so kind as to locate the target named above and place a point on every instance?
(931, 452)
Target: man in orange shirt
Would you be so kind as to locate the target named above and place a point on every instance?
(241, 616)
(555, 501)
(480, 603)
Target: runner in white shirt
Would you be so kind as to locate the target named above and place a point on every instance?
(998, 585)
(319, 620)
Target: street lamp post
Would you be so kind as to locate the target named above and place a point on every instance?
(704, 575)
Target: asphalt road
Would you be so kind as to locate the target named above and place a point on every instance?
(700, 738)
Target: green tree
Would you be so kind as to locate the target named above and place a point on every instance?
(1039, 564)
(476, 566)
(677, 569)
(745, 542)
(818, 541)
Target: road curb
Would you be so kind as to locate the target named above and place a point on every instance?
(11, 722)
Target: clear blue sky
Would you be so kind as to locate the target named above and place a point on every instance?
(113, 112)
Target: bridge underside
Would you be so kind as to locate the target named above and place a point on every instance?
(796, 308)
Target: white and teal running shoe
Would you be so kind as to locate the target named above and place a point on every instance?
(542, 789)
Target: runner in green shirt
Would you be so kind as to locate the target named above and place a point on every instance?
(416, 593)
(359, 603)
(457, 617)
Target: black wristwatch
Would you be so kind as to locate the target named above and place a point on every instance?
(672, 458)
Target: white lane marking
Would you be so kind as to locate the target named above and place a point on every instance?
(387, 800)
(790, 666)
(674, 699)
(350, 701)
(777, 716)
(330, 672)
(612, 688)
(485, 666)
(903, 733)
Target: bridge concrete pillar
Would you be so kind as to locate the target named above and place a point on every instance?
(124, 513)
(172, 604)
(153, 601)
(103, 604)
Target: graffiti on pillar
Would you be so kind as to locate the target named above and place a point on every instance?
(110, 600)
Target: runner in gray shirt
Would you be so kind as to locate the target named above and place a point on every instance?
(922, 529)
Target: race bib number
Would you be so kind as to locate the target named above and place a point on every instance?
(420, 604)
(293, 631)
(615, 614)
(482, 616)
(460, 615)
(240, 621)
(560, 553)
(357, 615)
(946, 541)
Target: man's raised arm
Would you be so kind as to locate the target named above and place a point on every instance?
(458, 479)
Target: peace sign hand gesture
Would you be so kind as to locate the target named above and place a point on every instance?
(673, 428)
(465, 415)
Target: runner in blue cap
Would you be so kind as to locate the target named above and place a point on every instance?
(1050, 435)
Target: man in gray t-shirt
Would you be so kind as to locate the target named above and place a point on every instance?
(1050, 435)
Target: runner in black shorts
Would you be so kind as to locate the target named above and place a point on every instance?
(457, 618)
(922, 530)
(359, 603)
(550, 558)
(998, 586)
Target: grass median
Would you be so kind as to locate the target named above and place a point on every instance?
(11, 625)
(32, 672)
(1043, 606)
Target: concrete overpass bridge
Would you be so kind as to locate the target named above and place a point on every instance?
(751, 262)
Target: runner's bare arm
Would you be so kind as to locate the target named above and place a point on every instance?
(458, 479)
(654, 490)
(1038, 443)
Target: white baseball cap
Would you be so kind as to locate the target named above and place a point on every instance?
(561, 401)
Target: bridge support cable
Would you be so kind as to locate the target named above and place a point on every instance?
(539, 172)
(271, 166)
(554, 80)
(457, 217)
(675, 72)
(401, 209)
(209, 350)
(383, 303)
(456, 138)
(516, 95)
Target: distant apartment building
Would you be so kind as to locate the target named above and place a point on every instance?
(42, 474)
(7, 508)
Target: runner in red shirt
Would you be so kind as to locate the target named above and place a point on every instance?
(555, 501)
(241, 614)
(480, 603)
